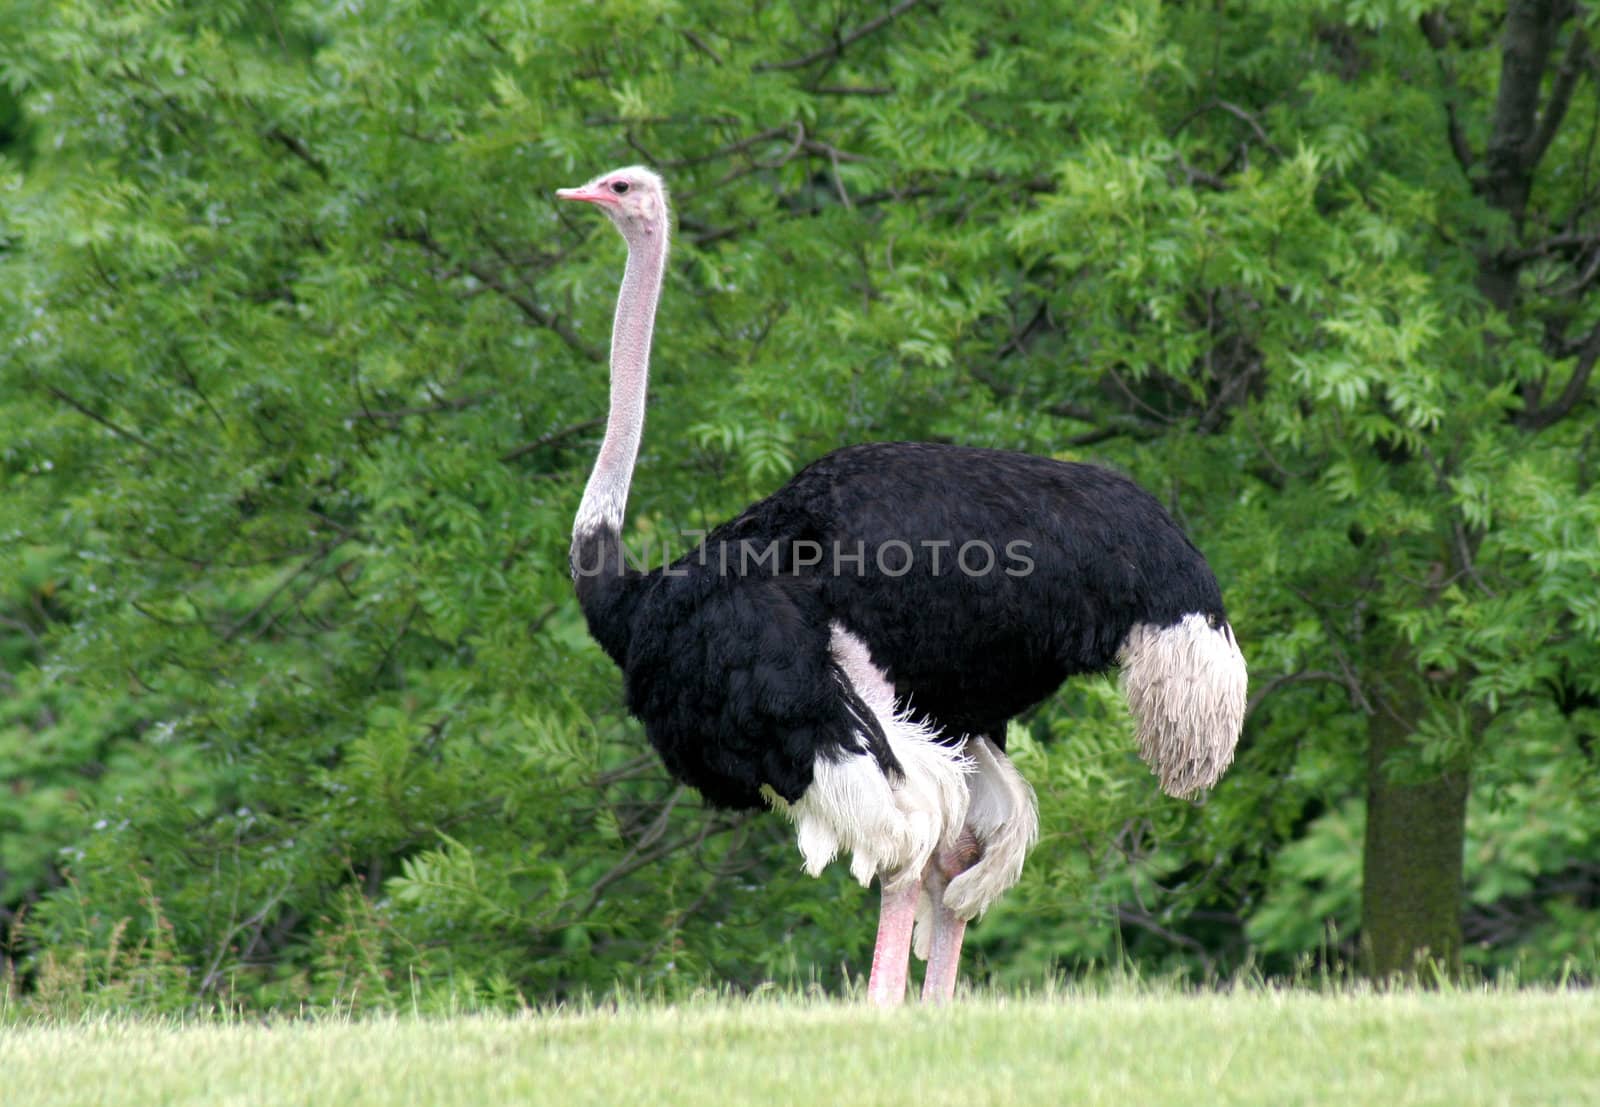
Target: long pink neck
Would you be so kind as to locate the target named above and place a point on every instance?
(606, 496)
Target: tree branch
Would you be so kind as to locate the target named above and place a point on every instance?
(396, 414)
(1146, 921)
(1438, 36)
(1555, 108)
(299, 149)
(1540, 417)
(854, 90)
(1573, 242)
(1283, 680)
(703, 46)
(492, 280)
(1577, 283)
(734, 147)
(841, 42)
(260, 609)
(1244, 116)
(89, 413)
(1530, 34)
(550, 438)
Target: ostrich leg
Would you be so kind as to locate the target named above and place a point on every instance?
(891, 957)
(944, 951)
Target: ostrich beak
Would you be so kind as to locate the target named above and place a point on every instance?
(589, 194)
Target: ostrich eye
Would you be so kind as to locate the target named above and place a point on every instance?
(619, 187)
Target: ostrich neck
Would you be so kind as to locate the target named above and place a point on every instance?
(606, 496)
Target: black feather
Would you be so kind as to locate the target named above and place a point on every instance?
(726, 658)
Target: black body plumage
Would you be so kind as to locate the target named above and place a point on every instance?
(978, 579)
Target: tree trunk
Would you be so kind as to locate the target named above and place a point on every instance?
(1412, 858)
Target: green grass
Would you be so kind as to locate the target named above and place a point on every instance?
(1131, 1050)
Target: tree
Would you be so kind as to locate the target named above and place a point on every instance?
(1416, 831)
(303, 375)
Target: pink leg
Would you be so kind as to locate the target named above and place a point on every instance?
(944, 953)
(892, 955)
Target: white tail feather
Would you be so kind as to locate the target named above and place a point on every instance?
(1186, 686)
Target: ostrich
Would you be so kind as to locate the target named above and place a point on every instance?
(849, 650)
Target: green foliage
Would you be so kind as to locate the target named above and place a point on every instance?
(301, 377)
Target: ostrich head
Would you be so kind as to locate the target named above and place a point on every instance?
(634, 198)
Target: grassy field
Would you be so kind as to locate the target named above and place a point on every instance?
(1129, 1051)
